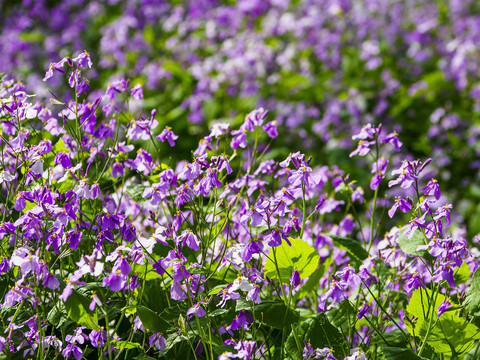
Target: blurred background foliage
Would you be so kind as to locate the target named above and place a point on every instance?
(323, 68)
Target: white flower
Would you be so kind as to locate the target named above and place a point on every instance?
(6, 176)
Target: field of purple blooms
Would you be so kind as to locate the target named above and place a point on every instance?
(250, 179)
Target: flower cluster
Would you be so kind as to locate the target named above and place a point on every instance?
(113, 248)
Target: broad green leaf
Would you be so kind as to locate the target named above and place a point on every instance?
(151, 321)
(312, 282)
(217, 289)
(409, 246)
(136, 192)
(117, 344)
(57, 315)
(154, 296)
(450, 335)
(395, 353)
(462, 275)
(300, 256)
(77, 310)
(394, 338)
(342, 316)
(320, 333)
(60, 145)
(272, 313)
(418, 304)
(143, 357)
(353, 247)
(171, 340)
(472, 301)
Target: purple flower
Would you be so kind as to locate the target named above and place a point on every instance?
(98, 338)
(137, 92)
(413, 283)
(167, 134)
(83, 59)
(434, 247)
(239, 139)
(348, 278)
(380, 166)
(157, 341)
(302, 176)
(376, 180)
(241, 321)
(255, 118)
(177, 292)
(443, 307)
(27, 262)
(116, 280)
(190, 239)
(72, 350)
(393, 139)
(18, 142)
(197, 309)
(207, 182)
(367, 132)
(413, 225)
(254, 294)
(363, 148)
(143, 162)
(432, 188)
(227, 294)
(405, 178)
(142, 128)
(58, 66)
(63, 159)
(443, 212)
(364, 310)
(274, 239)
(444, 272)
(184, 195)
(73, 280)
(403, 204)
(83, 87)
(295, 279)
(271, 129)
(356, 354)
(297, 159)
(335, 293)
(78, 336)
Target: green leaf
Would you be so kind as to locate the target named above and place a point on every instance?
(77, 310)
(60, 145)
(472, 301)
(136, 192)
(312, 282)
(154, 297)
(393, 338)
(171, 340)
(151, 321)
(300, 256)
(57, 315)
(217, 289)
(462, 274)
(409, 246)
(342, 316)
(418, 305)
(450, 335)
(353, 247)
(272, 313)
(117, 344)
(320, 333)
(394, 353)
